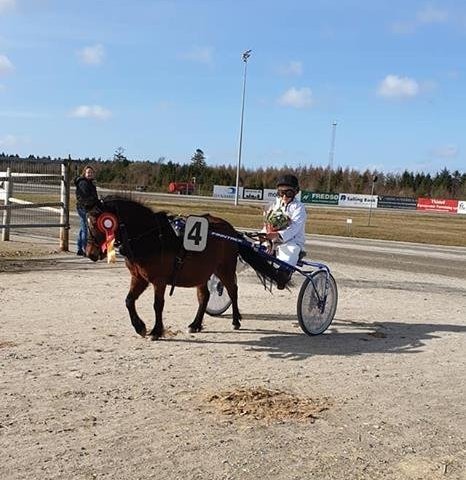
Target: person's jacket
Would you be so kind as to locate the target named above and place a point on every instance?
(86, 193)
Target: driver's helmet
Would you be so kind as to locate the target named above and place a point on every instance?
(289, 180)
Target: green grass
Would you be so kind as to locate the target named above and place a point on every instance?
(409, 226)
(439, 229)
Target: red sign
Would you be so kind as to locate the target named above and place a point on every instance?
(437, 205)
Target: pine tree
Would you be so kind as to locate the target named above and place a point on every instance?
(198, 163)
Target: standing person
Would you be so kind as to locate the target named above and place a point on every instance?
(86, 198)
(289, 216)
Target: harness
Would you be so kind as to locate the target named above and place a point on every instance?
(178, 225)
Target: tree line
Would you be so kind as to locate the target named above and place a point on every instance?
(120, 172)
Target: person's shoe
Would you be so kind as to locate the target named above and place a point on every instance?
(81, 253)
(282, 278)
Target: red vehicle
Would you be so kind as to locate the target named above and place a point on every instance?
(181, 188)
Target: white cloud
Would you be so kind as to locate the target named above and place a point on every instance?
(296, 98)
(200, 55)
(91, 111)
(393, 86)
(6, 5)
(294, 68)
(92, 55)
(5, 65)
(9, 141)
(446, 151)
(430, 14)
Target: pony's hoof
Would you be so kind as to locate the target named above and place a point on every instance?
(142, 332)
(236, 326)
(155, 335)
(194, 329)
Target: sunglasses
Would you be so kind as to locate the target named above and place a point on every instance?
(288, 192)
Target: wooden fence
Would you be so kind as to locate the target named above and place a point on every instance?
(11, 203)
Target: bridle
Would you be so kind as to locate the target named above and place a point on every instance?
(107, 224)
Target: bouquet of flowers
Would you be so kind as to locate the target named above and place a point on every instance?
(276, 220)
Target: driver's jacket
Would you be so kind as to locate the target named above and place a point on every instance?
(294, 233)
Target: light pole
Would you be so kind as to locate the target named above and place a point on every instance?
(374, 179)
(331, 154)
(245, 57)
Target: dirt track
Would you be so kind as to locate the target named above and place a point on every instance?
(82, 396)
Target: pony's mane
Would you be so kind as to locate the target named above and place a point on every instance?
(145, 231)
(127, 201)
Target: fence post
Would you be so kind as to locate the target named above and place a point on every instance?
(65, 210)
(7, 212)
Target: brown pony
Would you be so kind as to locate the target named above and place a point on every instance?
(154, 254)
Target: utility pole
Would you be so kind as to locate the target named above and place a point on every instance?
(374, 179)
(245, 57)
(331, 154)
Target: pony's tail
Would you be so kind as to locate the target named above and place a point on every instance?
(257, 261)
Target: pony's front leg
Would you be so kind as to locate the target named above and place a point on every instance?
(138, 285)
(203, 295)
(159, 302)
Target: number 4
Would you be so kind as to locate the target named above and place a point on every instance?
(195, 234)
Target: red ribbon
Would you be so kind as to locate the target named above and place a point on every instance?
(107, 223)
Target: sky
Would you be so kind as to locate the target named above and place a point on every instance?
(163, 78)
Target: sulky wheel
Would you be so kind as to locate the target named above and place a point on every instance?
(219, 301)
(315, 312)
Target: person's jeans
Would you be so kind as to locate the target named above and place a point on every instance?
(82, 235)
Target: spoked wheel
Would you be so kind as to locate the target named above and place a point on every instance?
(219, 300)
(315, 312)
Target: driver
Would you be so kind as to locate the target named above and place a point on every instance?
(289, 238)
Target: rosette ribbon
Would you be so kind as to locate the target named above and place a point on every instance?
(107, 223)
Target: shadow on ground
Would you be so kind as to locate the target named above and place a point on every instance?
(344, 337)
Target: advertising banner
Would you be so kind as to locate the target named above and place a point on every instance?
(319, 198)
(462, 207)
(437, 205)
(270, 194)
(357, 200)
(222, 191)
(252, 194)
(387, 201)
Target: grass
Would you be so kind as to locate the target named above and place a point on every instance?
(385, 224)
(437, 229)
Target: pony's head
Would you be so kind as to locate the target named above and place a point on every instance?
(96, 248)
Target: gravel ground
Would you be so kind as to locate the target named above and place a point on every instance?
(83, 397)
